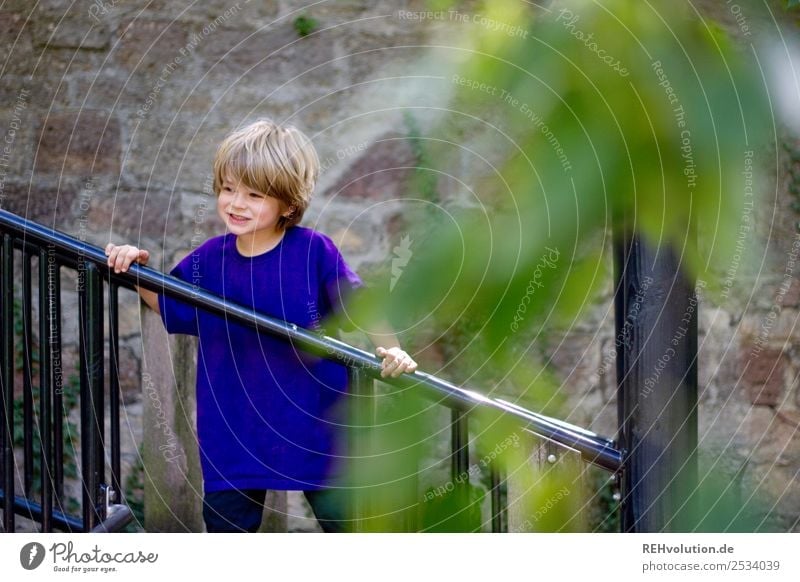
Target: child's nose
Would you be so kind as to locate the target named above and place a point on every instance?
(238, 200)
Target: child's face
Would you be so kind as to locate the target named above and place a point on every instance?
(246, 211)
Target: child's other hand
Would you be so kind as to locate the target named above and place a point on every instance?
(395, 362)
(121, 257)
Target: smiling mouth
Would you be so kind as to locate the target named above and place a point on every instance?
(237, 218)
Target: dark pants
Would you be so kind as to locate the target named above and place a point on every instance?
(240, 511)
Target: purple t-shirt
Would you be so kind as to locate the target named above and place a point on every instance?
(268, 415)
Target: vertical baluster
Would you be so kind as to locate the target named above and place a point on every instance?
(499, 500)
(58, 389)
(113, 388)
(459, 457)
(91, 348)
(27, 373)
(7, 381)
(459, 441)
(361, 387)
(47, 269)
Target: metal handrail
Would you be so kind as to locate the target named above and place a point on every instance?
(593, 448)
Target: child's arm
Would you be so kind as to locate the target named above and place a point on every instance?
(123, 256)
(395, 360)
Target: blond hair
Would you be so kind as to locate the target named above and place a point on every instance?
(279, 161)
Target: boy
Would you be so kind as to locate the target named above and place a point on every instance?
(266, 413)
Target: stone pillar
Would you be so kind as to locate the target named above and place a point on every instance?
(173, 487)
(173, 490)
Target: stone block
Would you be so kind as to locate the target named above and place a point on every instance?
(17, 129)
(97, 90)
(13, 31)
(52, 92)
(760, 367)
(785, 328)
(15, 42)
(369, 55)
(75, 33)
(245, 13)
(166, 152)
(59, 63)
(396, 226)
(756, 428)
(769, 394)
(792, 296)
(312, 62)
(383, 171)
(132, 216)
(245, 98)
(150, 44)
(763, 376)
(79, 143)
(235, 52)
(22, 6)
(47, 205)
(577, 359)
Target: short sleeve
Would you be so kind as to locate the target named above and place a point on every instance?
(179, 317)
(339, 281)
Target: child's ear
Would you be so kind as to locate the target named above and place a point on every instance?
(290, 212)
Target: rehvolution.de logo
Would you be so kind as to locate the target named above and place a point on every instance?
(31, 555)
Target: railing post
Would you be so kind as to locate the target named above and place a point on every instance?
(54, 314)
(7, 379)
(459, 457)
(656, 325)
(459, 444)
(27, 373)
(113, 388)
(499, 501)
(47, 272)
(91, 349)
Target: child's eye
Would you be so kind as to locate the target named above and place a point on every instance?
(257, 195)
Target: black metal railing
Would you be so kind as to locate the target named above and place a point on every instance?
(90, 262)
(45, 436)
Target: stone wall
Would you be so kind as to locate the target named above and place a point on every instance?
(112, 110)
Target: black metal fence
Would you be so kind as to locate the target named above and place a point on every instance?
(52, 250)
(44, 442)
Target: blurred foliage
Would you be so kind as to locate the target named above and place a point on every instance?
(305, 25)
(596, 114)
(458, 509)
(723, 503)
(659, 139)
(603, 508)
(425, 183)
